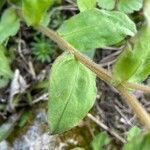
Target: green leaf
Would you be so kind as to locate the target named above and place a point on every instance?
(9, 24)
(106, 4)
(138, 143)
(133, 132)
(72, 93)
(7, 127)
(86, 4)
(5, 130)
(129, 6)
(24, 119)
(5, 71)
(34, 11)
(96, 29)
(100, 140)
(135, 59)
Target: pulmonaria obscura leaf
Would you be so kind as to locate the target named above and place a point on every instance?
(72, 93)
(96, 29)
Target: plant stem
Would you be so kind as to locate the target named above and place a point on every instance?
(101, 73)
(136, 86)
(135, 105)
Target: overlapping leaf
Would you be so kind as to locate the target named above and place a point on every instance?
(7, 127)
(100, 141)
(133, 133)
(5, 71)
(72, 93)
(96, 28)
(35, 10)
(127, 6)
(9, 24)
(107, 4)
(86, 4)
(134, 63)
(139, 143)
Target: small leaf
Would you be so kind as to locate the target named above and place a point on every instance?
(72, 93)
(100, 140)
(9, 24)
(135, 59)
(106, 4)
(24, 119)
(34, 11)
(138, 143)
(129, 6)
(7, 127)
(5, 71)
(86, 4)
(96, 29)
(133, 133)
(5, 130)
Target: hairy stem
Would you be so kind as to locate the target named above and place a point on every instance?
(136, 86)
(101, 73)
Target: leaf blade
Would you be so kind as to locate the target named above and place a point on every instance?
(70, 101)
(96, 29)
(138, 143)
(106, 4)
(9, 24)
(135, 61)
(86, 4)
(129, 6)
(34, 11)
(5, 70)
(100, 140)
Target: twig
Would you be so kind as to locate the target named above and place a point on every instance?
(101, 73)
(102, 125)
(43, 97)
(123, 116)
